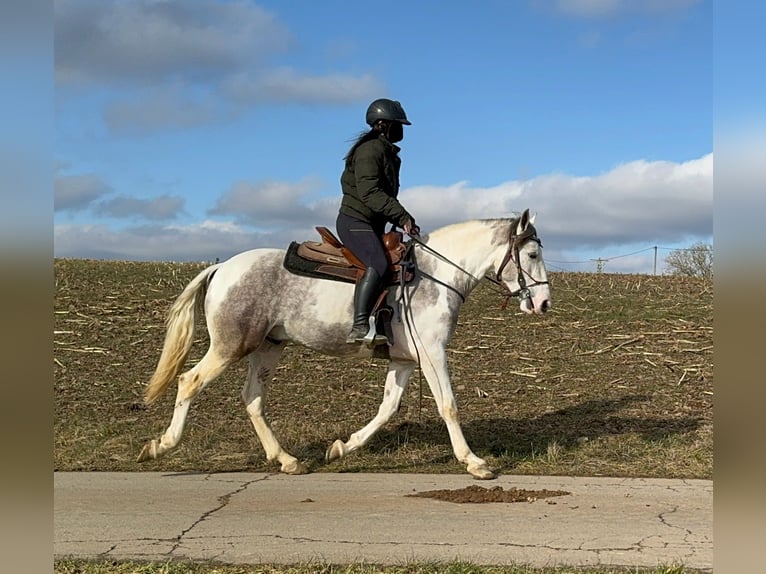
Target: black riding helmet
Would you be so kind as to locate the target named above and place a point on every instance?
(385, 109)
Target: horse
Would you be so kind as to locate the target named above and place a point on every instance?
(253, 307)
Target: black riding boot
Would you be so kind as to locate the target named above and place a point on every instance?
(366, 293)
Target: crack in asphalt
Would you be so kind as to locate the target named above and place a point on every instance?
(106, 552)
(687, 533)
(639, 546)
(544, 545)
(117, 543)
(663, 516)
(394, 543)
(223, 501)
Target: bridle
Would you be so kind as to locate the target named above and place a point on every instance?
(515, 242)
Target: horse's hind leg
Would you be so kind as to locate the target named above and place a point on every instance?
(190, 384)
(396, 381)
(261, 370)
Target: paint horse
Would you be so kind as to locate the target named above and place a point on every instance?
(253, 307)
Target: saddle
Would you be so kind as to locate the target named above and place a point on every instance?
(330, 259)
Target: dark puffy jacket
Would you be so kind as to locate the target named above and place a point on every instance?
(370, 185)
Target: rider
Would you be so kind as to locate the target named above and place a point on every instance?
(370, 183)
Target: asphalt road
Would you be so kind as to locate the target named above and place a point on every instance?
(343, 518)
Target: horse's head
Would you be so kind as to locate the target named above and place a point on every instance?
(522, 269)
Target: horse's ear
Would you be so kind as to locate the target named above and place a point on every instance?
(532, 218)
(524, 220)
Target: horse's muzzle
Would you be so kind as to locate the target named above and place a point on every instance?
(535, 306)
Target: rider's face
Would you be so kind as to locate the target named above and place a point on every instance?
(395, 132)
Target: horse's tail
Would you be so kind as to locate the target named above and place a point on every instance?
(179, 335)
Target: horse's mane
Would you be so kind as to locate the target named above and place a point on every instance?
(461, 227)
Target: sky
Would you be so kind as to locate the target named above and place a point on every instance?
(193, 130)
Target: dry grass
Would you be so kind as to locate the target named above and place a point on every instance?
(179, 567)
(617, 380)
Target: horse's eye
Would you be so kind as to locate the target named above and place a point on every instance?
(533, 255)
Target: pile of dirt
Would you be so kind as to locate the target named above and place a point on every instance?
(478, 494)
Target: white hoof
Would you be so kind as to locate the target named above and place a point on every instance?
(337, 450)
(481, 472)
(149, 452)
(294, 467)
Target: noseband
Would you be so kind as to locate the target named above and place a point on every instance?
(515, 242)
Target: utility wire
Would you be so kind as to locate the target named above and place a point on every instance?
(605, 259)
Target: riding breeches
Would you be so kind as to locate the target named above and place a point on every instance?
(363, 241)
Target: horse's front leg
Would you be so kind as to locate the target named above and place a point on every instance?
(396, 381)
(434, 367)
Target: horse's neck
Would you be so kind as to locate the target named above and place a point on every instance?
(473, 246)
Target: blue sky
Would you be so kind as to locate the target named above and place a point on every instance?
(194, 130)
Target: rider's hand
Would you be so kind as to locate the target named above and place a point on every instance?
(410, 228)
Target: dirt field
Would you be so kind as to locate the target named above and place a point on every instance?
(616, 380)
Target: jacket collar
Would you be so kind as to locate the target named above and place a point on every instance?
(396, 149)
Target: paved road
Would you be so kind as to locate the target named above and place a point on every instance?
(342, 518)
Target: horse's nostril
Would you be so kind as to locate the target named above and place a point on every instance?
(545, 305)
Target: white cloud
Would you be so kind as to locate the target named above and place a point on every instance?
(287, 85)
(205, 241)
(639, 203)
(78, 192)
(87, 192)
(155, 209)
(182, 64)
(272, 203)
(106, 42)
(609, 8)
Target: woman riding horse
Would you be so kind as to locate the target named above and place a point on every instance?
(370, 183)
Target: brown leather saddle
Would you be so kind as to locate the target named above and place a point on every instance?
(330, 259)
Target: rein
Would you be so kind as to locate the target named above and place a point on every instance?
(446, 260)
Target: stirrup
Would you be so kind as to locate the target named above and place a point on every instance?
(373, 338)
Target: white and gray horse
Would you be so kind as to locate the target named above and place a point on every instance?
(253, 307)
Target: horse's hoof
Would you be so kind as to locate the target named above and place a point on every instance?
(294, 467)
(482, 473)
(149, 452)
(336, 451)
